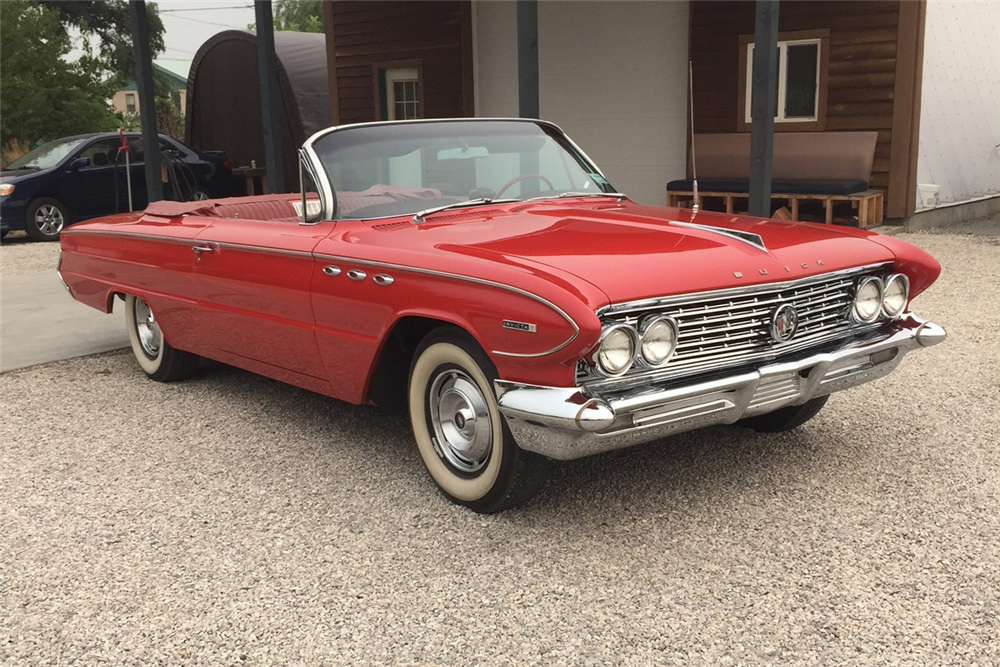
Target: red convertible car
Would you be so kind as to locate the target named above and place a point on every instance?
(484, 273)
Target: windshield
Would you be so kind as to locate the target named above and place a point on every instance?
(400, 169)
(47, 155)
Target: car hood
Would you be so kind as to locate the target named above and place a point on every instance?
(631, 251)
(13, 175)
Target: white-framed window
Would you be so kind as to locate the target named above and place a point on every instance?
(798, 97)
(402, 93)
(130, 102)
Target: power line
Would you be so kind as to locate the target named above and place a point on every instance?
(224, 25)
(203, 9)
(170, 48)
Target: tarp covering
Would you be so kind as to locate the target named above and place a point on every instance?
(223, 96)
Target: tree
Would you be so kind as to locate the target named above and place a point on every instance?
(110, 23)
(299, 15)
(42, 95)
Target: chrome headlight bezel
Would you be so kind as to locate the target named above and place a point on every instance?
(634, 342)
(645, 327)
(902, 279)
(862, 285)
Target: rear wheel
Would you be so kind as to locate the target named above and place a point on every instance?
(45, 219)
(785, 419)
(462, 438)
(156, 357)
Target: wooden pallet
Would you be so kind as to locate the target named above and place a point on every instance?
(869, 204)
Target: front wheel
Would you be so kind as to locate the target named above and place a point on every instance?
(463, 440)
(157, 358)
(46, 218)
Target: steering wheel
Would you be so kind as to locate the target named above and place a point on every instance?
(521, 178)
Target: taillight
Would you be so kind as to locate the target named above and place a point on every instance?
(225, 163)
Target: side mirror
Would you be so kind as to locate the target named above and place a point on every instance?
(79, 163)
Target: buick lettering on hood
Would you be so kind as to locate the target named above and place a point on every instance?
(486, 275)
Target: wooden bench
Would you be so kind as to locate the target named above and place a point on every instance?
(826, 168)
(869, 204)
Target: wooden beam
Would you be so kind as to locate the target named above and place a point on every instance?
(331, 63)
(763, 83)
(468, 77)
(527, 59)
(918, 78)
(902, 194)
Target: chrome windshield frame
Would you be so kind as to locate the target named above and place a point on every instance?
(330, 203)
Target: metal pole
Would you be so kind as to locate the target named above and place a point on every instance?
(527, 59)
(270, 96)
(147, 103)
(128, 168)
(764, 88)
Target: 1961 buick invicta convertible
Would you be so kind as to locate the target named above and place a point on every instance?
(485, 274)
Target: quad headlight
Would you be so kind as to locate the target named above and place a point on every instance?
(659, 340)
(617, 349)
(895, 294)
(868, 299)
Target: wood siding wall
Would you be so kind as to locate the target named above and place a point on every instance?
(363, 34)
(865, 38)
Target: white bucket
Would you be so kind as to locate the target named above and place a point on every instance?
(929, 195)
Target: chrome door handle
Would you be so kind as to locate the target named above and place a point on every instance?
(200, 249)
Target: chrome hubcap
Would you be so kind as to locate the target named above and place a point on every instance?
(150, 337)
(463, 431)
(49, 219)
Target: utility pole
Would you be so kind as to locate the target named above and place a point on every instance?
(147, 102)
(270, 96)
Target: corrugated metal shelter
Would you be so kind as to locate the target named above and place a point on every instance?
(224, 111)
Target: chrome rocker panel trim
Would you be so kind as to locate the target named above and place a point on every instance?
(565, 423)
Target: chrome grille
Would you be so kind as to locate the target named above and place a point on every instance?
(730, 327)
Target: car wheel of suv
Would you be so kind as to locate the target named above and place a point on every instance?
(463, 440)
(785, 419)
(157, 358)
(45, 219)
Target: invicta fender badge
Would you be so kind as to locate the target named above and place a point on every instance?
(519, 326)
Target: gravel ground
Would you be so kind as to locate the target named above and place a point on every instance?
(18, 254)
(232, 520)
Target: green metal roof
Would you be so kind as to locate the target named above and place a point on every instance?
(175, 69)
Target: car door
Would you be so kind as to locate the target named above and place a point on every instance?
(253, 279)
(91, 190)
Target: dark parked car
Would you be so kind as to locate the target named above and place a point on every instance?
(85, 176)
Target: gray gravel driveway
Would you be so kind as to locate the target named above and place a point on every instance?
(232, 520)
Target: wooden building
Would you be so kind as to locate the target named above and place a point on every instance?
(614, 75)
(869, 57)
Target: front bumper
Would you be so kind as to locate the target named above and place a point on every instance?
(566, 423)
(12, 213)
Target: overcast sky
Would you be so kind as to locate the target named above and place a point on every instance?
(190, 23)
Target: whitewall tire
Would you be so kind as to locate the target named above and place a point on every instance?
(462, 438)
(155, 356)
